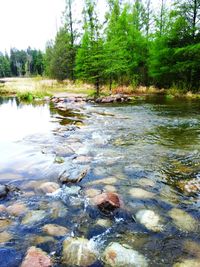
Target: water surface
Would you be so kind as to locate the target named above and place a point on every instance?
(155, 139)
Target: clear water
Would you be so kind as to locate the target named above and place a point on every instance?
(155, 139)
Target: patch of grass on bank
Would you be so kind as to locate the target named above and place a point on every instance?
(175, 92)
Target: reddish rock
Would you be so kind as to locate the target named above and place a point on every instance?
(35, 257)
(107, 202)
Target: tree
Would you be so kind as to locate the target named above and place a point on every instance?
(59, 56)
(89, 60)
(4, 66)
(70, 28)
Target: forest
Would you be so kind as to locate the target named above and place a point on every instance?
(135, 44)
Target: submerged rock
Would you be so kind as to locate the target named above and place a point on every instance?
(35, 257)
(5, 237)
(4, 223)
(108, 181)
(17, 209)
(107, 202)
(78, 252)
(183, 220)
(2, 208)
(188, 263)
(189, 187)
(48, 187)
(146, 182)
(55, 230)
(150, 220)
(192, 248)
(104, 223)
(141, 193)
(34, 216)
(92, 192)
(116, 255)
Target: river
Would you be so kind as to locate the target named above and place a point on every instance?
(147, 151)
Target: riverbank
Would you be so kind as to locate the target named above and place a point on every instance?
(39, 88)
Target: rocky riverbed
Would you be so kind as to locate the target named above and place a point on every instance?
(89, 184)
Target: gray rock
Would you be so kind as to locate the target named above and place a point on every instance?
(66, 178)
(3, 191)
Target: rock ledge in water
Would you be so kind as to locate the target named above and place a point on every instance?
(116, 255)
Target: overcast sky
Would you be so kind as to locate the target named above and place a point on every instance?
(32, 23)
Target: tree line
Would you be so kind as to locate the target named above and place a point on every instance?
(135, 44)
(22, 63)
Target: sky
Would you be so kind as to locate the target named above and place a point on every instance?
(25, 23)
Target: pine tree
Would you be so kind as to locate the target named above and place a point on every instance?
(89, 60)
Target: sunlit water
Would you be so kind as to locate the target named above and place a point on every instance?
(155, 139)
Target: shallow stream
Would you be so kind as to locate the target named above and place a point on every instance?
(143, 151)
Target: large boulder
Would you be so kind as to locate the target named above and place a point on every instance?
(3, 191)
(78, 252)
(35, 257)
(116, 255)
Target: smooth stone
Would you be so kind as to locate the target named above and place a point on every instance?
(2, 208)
(116, 255)
(64, 151)
(183, 220)
(34, 216)
(140, 193)
(59, 160)
(4, 223)
(108, 181)
(79, 252)
(91, 192)
(149, 219)
(188, 263)
(110, 188)
(35, 257)
(82, 159)
(146, 182)
(104, 223)
(55, 230)
(37, 240)
(5, 237)
(33, 185)
(48, 187)
(107, 202)
(192, 248)
(17, 209)
(58, 210)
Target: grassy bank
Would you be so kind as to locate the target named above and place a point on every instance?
(32, 88)
(28, 88)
